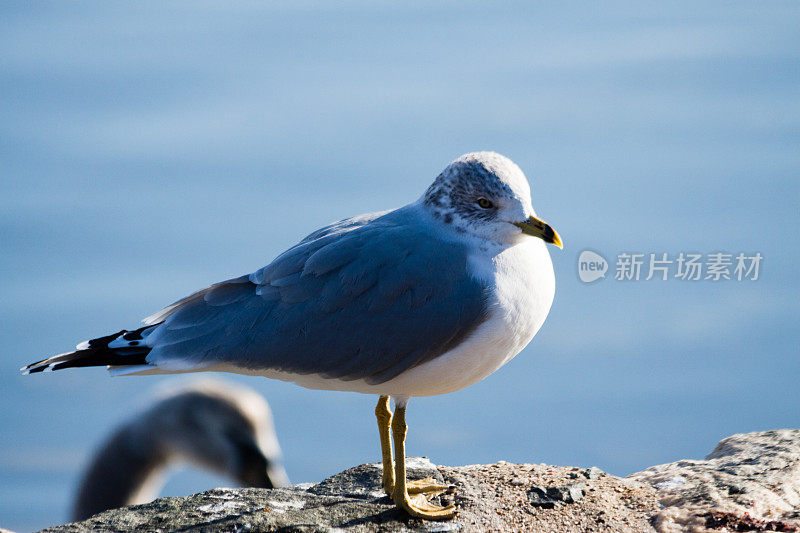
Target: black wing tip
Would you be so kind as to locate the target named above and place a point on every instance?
(35, 368)
(96, 352)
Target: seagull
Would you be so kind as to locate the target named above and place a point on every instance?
(223, 427)
(421, 300)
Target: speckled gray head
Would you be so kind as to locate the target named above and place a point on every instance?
(487, 195)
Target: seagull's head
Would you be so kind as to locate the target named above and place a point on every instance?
(223, 427)
(487, 195)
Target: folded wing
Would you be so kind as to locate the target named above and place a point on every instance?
(352, 301)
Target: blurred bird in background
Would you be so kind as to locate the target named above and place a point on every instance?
(212, 424)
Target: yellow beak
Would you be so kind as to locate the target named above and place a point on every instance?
(539, 228)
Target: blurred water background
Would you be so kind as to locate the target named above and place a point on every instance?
(149, 149)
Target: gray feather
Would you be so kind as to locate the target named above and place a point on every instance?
(354, 300)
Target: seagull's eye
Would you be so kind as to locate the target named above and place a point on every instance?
(484, 203)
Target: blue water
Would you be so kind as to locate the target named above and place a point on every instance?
(148, 150)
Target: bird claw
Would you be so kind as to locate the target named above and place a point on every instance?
(427, 486)
(419, 507)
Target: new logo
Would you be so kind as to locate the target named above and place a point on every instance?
(591, 266)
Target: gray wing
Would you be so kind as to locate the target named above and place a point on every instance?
(366, 298)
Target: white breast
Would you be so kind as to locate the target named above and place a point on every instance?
(522, 286)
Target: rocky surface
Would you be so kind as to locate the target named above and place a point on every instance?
(748, 483)
(753, 478)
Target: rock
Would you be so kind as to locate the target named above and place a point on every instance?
(549, 497)
(593, 472)
(753, 478)
(354, 501)
(538, 497)
(748, 483)
(588, 473)
(745, 522)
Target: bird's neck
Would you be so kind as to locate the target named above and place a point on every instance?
(125, 471)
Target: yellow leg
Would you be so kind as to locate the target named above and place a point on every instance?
(416, 505)
(384, 416)
(428, 485)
